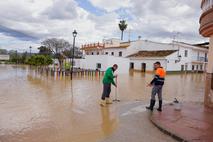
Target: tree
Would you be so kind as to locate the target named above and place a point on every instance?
(23, 58)
(57, 47)
(3, 51)
(69, 53)
(40, 60)
(122, 26)
(43, 50)
(16, 57)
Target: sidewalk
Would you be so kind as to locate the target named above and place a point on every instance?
(134, 125)
(194, 123)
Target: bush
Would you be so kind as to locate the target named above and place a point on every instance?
(39, 60)
(67, 66)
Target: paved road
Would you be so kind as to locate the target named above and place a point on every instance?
(135, 126)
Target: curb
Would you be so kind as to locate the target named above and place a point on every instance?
(165, 131)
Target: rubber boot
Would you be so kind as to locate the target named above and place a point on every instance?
(160, 105)
(152, 104)
(103, 103)
(108, 101)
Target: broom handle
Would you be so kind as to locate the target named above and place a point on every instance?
(116, 82)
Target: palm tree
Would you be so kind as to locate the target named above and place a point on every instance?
(122, 26)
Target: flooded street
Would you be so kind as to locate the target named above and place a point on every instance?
(40, 108)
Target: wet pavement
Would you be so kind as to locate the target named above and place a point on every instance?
(135, 126)
(35, 107)
(194, 123)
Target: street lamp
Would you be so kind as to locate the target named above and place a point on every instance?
(30, 49)
(74, 33)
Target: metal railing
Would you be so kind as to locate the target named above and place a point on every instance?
(94, 45)
(206, 5)
(202, 59)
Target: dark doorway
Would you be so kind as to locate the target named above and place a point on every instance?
(98, 66)
(131, 65)
(182, 67)
(193, 67)
(143, 67)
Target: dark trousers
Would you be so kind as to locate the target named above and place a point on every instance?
(106, 91)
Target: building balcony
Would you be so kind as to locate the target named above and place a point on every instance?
(206, 5)
(206, 19)
(100, 46)
(92, 46)
(200, 60)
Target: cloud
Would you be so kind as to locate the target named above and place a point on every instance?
(62, 9)
(110, 5)
(11, 43)
(158, 19)
(18, 34)
(32, 21)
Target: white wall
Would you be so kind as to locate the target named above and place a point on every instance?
(115, 51)
(90, 62)
(153, 46)
(149, 63)
(169, 62)
(191, 59)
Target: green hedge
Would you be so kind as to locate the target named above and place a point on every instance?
(39, 60)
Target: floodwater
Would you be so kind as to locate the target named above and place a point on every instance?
(40, 108)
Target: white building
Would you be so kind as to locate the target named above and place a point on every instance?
(182, 57)
(141, 54)
(102, 62)
(4, 57)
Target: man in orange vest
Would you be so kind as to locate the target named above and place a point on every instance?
(157, 84)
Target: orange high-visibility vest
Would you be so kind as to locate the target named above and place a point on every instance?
(161, 72)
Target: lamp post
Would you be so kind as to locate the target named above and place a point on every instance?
(30, 50)
(74, 33)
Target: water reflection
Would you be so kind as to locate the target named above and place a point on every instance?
(42, 108)
(108, 122)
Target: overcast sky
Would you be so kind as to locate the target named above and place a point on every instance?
(25, 23)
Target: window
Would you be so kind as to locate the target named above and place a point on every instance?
(106, 53)
(206, 57)
(197, 67)
(131, 65)
(97, 53)
(201, 67)
(92, 53)
(98, 65)
(186, 53)
(112, 53)
(182, 67)
(120, 54)
(193, 67)
(186, 67)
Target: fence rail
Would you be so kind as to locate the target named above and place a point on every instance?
(76, 72)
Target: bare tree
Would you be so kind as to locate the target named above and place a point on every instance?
(57, 47)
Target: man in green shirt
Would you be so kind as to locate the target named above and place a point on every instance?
(107, 81)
